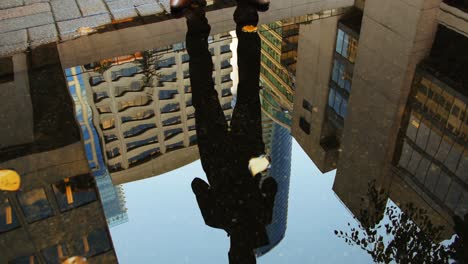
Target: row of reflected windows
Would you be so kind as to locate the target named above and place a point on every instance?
(434, 178)
(279, 70)
(444, 107)
(270, 37)
(437, 145)
(342, 75)
(168, 134)
(163, 63)
(69, 193)
(346, 45)
(94, 243)
(337, 102)
(277, 85)
(152, 153)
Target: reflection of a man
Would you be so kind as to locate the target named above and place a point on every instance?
(233, 200)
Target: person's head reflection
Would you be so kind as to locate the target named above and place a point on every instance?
(237, 198)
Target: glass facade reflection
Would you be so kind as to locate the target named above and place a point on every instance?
(347, 40)
(278, 141)
(433, 147)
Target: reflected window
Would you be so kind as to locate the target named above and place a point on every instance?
(35, 205)
(144, 156)
(306, 105)
(174, 146)
(126, 72)
(97, 97)
(170, 108)
(113, 153)
(346, 45)
(167, 94)
(8, 219)
(136, 144)
(185, 58)
(107, 124)
(110, 138)
(24, 260)
(55, 254)
(95, 80)
(225, 49)
(226, 92)
(193, 140)
(74, 192)
(95, 243)
(225, 64)
(138, 130)
(226, 106)
(168, 134)
(226, 78)
(304, 125)
(115, 167)
(339, 41)
(166, 62)
(172, 121)
(104, 109)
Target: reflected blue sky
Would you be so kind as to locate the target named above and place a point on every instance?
(166, 223)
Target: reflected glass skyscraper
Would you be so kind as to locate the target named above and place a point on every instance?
(279, 148)
(112, 197)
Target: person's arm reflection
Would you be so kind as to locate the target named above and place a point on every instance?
(233, 200)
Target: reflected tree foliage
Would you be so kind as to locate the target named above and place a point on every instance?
(404, 236)
(148, 62)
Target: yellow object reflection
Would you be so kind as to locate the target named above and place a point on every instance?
(8, 215)
(9, 180)
(75, 260)
(86, 244)
(69, 192)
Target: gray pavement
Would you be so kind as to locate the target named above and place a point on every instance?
(30, 23)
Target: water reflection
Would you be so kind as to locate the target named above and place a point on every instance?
(357, 97)
(232, 199)
(57, 209)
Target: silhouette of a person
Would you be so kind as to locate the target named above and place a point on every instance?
(233, 199)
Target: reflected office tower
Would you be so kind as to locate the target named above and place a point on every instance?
(57, 212)
(322, 93)
(112, 197)
(142, 108)
(405, 127)
(278, 66)
(432, 152)
(278, 142)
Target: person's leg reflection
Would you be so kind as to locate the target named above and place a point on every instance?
(211, 125)
(246, 127)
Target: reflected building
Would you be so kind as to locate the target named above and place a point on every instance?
(142, 108)
(278, 142)
(322, 93)
(112, 197)
(432, 152)
(412, 147)
(278, 67)
(57, 212)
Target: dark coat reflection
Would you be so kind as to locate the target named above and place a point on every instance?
(232, 199)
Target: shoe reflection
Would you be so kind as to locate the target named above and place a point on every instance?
(235, 198)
